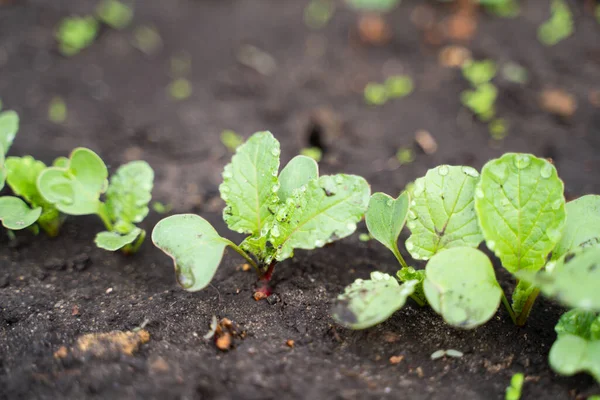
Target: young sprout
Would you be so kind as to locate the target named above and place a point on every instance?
(481, 100)
(375, 94)
(559, 26)
(180, 89)
(513, 392)
(279, 211)
(75, 34)
(405, 155)
(147, 39)
(398, 86)
(502, 8)
(74, 187)
(114, 13)
(373, 5)
(57, 110)
(231, 140)
(312, 152)
(318, 13)
(479, 72)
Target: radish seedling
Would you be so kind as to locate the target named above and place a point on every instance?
(75, 34)
(280, 211)
(74, 187)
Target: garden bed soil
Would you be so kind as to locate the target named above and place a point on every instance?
(52, 291)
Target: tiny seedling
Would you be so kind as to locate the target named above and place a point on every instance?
(479, 72)
(180, 89)
(513, 392)
(280, 211)
(231, 140)
(398, 86)
(75, 34)
(147, 39)
(375, 94)
(559, 26)
(57, 110)
(373, 5)
(502, 8)
(481, 101)
(312, 152)
(317, 13)
(114, 13)
(74, 187)
(517, 207)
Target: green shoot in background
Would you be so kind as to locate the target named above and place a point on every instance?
(559, 26)
(114, 13)
(75, 34)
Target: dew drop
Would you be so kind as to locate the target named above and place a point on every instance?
(443, 170)
(275, 231)
(186, 280)
(351, 226)
(419, 188)
(275, 151)
(522, 161)
(553, 234)
(319, 243)
(557, 204)
(339, 180)
(227, 174)
(224, 189)
(491, 245)
(358, 282)
(546, 171)
(275, 188)
(412, 215)
(498, 170)
(411, 225)
(470, 171)
(409, 245)
(479, 193)
(389, 203)
(413, 203)
(376, 276)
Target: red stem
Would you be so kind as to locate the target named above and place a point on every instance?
(263, 282)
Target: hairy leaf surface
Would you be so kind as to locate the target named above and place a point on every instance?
(460, 284)
(582, 227)
(366, 303)
(385, 218)
(195, 247)
(75, 189)
(250, 184)
(521, 210)
(130, 191)
(298, 172)
(15, 214)
(442, 213)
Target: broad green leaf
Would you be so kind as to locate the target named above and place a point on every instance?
(250, 184)
(129, 192)
(366, 303)
(23, 173)
(9, 126)
(75, 189)
(195, 247)
(441, 215)
(15, 214)
(582, 227)
(521, 208)
(296, 173)
(385, 218)
(112, 241)
(325, 210)
(573, 279)
(577, 347)
(460, 284)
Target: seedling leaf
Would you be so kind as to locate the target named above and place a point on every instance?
(373, 5)
(9, 126)
(460, 284)
(324, 210)
(582, 226)
(298, 172)
(113, 241)
(521, 209)
(15, 214)
(442, 213)
(366, 303)
(250, 183)
(76, 188)
(195, 247)
(385, 218)
(130, 191)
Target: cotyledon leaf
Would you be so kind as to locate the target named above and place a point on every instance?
(521, 208)
(385, 218)
(460, 284)
(112, 241)
(366, 303)
(298, 172)
(130, 191)
(250, 184)
(75, 189)
(442, 213)
(324, 210)
(195, 247)
(582, 226)
(15, 214)
(573, 279)
(9, 126)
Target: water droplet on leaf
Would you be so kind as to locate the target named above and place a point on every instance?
(339, 180)
(557, 204)
(389, 203)
(491, 245)
(522, 161)
(319, 243)
(351, 226)
(443, 170)
(411, 225)
(409, 245)
(546, 171)
(186, 280)
(275, 151)
(470, 171)
(479, 193)
(275, 231)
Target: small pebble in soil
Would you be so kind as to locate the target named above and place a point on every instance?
(290, 343)
(55, 264)
(79, 262)
(109, 290)
(396, 359)
(273, 299)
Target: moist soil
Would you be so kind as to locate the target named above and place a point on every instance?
(52, 291)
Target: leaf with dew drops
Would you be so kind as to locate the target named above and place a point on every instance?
(298, 172)
(15, 214)
(385, 218)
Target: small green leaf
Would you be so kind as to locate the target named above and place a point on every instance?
(325, 210)
(231, 140)
(573, 279)
(3, 171)
(57, 110)
(513, 392)
(460, 284)
(195, 247)
(582, 227)
(583, 323)
(112, 241)
(521, 209)
(366, 303)
(250, 184)
(75, 189)
(76, 33)
(130, 191)
(62, 162)
(374, 5)
(442, 213)
(479, 72)
(9, 126)
(312, 152)
(559, 26)
(15, 214)
(114, 13)
(385, 219)
(298, 172)
(406, 274)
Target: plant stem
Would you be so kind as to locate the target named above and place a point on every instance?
(133, 248)
(399, 257)
(509, 308)
(522, 318)
(103, 214)
(417, 300)
(245, 255)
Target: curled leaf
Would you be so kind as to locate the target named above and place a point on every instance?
(366, 303)
(521, 209)
(15, 214)
(442, 213)
(460, 284)
(195, 247)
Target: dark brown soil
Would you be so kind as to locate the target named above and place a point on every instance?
(118, 106)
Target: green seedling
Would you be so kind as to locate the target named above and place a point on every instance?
(365, 237)
(161, 208)
(114, 13)
(279, 211)
(74, 187)
(231, 140)
(559, 26)
(373, 5)
(502, 8)
(180, 89)
(479, 72)
(398, 86)
(57, 110)
(147, 39)
(375, 94)
(514, 72)
(15, 214)
(9, 126)
(312, 152)
(513, 392)
(75, 34)
(517, 207)
(405, 155)
(481, 101)
(498, 128)
(318, 13)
